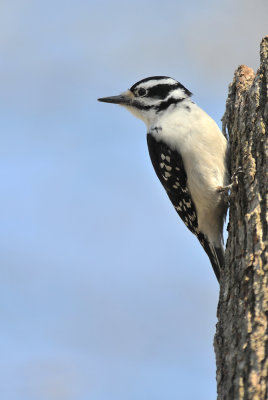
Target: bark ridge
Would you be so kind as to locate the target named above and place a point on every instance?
(241, 340)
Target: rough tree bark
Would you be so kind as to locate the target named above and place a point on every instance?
(241, 340)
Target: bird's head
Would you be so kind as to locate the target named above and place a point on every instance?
(150, 97)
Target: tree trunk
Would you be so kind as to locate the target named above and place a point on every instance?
(241, 340)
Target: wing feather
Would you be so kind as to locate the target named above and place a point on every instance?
(168, 165)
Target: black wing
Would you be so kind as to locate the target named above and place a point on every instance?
(169, 168)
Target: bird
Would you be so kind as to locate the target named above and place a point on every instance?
(189, 154)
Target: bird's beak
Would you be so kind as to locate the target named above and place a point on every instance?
(123, 99)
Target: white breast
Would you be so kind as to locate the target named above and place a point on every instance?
(196, 136)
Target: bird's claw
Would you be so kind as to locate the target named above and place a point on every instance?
(234, 181)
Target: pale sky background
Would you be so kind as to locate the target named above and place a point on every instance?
(105, 295)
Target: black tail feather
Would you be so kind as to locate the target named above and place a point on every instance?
(215, 254)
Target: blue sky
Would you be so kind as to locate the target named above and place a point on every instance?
(104, 293)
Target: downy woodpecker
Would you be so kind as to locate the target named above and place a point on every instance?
(189, 155)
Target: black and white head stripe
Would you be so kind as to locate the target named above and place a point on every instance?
(158, 87)
(158, 93)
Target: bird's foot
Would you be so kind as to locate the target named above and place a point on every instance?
(234, 181)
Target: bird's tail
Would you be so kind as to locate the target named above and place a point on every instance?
(215, 254)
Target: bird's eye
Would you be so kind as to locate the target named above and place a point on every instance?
(141, 92)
